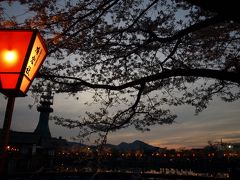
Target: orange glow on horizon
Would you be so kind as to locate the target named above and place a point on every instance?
(10, 57)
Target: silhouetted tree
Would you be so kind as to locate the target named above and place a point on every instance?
(139, 56)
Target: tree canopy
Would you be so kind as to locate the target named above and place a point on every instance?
(139, 56)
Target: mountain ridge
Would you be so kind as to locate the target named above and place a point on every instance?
(133, 146)
(136, 145)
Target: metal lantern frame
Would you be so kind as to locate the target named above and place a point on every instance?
(32, 52)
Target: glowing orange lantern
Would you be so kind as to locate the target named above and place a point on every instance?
(22, 53)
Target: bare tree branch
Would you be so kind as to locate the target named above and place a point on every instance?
(195, 27)
(205, 73)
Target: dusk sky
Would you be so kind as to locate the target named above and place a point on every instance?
(219, 121)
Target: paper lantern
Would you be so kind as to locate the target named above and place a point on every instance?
(22, 53)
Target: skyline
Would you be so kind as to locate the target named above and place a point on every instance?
(190, 131)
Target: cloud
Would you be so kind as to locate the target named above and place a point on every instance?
(219, 120)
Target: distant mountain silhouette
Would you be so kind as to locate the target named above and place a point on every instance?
(111, 146)
(136, 145)
(123, 146)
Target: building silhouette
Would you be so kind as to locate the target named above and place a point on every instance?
(45, 109)
(40, 140)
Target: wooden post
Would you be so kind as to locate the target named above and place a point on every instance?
(5, 137)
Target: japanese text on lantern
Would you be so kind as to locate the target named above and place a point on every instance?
(37, 54)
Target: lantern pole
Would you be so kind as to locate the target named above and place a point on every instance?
(5, 136)
(19, 63)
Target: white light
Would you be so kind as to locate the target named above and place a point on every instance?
(10, 56)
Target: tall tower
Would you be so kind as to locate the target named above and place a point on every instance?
(44, 108)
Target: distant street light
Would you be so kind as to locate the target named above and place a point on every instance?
(22, 53)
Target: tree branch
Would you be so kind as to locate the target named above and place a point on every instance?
(205, 73)
(200, 25)
(131, 111)
(172, 52)
(226, 9)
